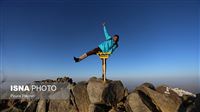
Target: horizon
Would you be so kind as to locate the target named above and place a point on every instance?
(159, 40)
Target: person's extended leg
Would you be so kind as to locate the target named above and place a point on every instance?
(92, 52)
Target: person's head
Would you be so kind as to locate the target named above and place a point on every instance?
(116, 38)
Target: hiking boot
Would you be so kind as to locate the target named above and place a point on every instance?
(76, 59)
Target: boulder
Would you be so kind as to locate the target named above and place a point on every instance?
(63, 93)
(135, 104)
(167, 91)
(31, 107)
(80, 97)
(109, 93)
(162, 102)
(60, 106)
(149, 85)
(41, 107)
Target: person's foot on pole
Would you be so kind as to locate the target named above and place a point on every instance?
(80, 58)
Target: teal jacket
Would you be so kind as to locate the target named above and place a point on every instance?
(109, 45)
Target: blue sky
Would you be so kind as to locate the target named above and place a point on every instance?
(159, 40)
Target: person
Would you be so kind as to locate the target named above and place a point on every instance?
(109, 45)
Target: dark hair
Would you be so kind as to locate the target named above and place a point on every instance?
(117, 37)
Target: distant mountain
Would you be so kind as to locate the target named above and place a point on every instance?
(96, 96)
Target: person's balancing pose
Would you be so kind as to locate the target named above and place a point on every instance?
(109, 45)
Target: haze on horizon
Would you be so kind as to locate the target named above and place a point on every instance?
(159, 40)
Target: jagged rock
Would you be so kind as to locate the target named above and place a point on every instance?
(80, 97)
(163, 102)
(109, 93)
(135, 104)
(41, 107)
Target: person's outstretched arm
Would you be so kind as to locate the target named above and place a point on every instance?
(105, 32)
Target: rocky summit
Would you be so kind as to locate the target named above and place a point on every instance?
(96, 96)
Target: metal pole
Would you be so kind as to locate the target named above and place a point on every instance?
(104, 69)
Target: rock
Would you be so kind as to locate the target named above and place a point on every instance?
(21, 105)
(41, 107)
(149, 85)
(173, 95)
(47, 81)
(31, 107)
(121, 106)
(98, 108)
(60, 106)
(4, 104)
(109, 93)
(163, 102)
(97, 96)
(12, 109)
(64, 93)
(113, 110)
(187, 100)
(197, 101)
(191, 108)
(191, 104)
(126, 92)
(80, 97)
(182, 92)
(135, 104)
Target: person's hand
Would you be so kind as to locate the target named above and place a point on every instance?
(104, 23)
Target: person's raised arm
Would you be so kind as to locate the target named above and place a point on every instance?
(105, 32)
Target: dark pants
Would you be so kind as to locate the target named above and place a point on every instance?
(94, 51)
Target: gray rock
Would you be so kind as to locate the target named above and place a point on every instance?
(135, 104)
(80, 97)
(163, 102)
(109, 93)
(60, 106)
(64, 93)
(170, 93)
(41, 107)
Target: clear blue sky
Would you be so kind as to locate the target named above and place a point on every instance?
(159, 39)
